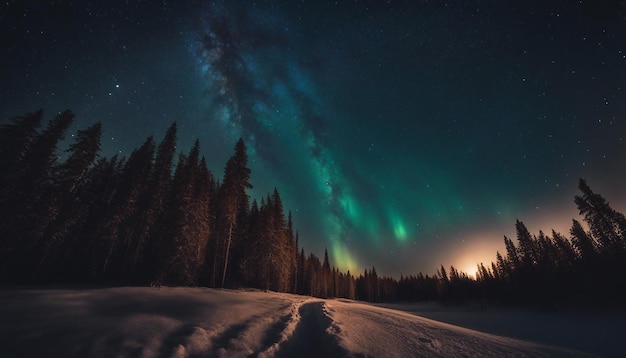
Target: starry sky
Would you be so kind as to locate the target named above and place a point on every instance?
(401, 134)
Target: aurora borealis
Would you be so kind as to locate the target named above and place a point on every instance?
(401, 135)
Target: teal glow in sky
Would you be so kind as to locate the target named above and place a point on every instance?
(400, 135)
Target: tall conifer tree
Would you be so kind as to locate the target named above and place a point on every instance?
(232, 198)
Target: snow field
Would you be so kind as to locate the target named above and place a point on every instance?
(379, 332)
(143, 322)
(596, 332)
(197, 322)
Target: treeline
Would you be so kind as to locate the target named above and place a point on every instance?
(548, 271)
(161, 218)
(588, 268)
(152, 218)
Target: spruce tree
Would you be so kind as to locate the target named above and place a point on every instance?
(326, 275)
(15, 140)
(266, 255)
(280, 245)
(27, 208)
(296, 269)
(302, 284)
(248, 268)
(143, 259)
(115, 234)
(96, 195)
(232, 198)
(61, 198)
(583, 243)
(82, 154)
(527, 251)
(188, 221)
(607, 226)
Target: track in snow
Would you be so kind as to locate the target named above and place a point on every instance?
(311, 337)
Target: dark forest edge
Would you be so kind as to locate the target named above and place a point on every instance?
(153, 219)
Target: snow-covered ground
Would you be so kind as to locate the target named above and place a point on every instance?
(596, 332)
(196, 322)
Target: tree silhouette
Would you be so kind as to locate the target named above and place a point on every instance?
(232, 199)
(61, 196)
(28, 207)
(115, 232)
(94, 219)
(146, 253)
(15, 141)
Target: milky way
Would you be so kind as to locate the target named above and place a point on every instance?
(401, 136)
(260, 87)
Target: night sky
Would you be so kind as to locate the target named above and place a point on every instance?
(401, 134)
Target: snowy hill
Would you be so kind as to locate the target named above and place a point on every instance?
(197, 322)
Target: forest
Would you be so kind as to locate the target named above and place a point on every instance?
(162, 218)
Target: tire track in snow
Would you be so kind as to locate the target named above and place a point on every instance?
(311, 337)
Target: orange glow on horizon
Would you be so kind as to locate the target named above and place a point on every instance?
(481, 251)
(482, 245)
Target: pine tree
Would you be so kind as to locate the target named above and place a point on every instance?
(149, 219)
(61, 197)
(26, 208)
(326, 275)
(504, 266)
(512, 255)
(247, 263)
(443, 276)
(313, 271)
(82, 154)
(370, 287)
(96, 196)
(351, 286)
(35, 173)
(584, 244)
(375, 284)
(188, 221)
(281, 245)
(565, 251)
(607, 226)
(15, 140)
(527, 251)
(232, 198)
(116, 231)
(296, 269)
(204, 191)
(271, 250)
(303, 288)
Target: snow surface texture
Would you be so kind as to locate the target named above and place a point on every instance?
(196, 322)
(598, 332)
